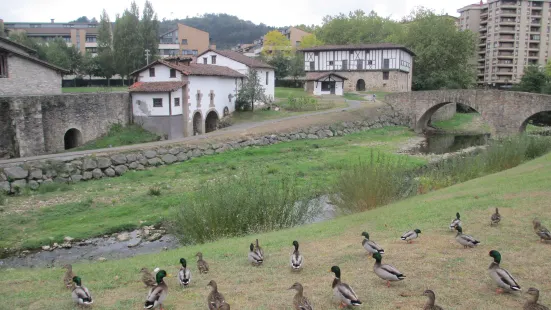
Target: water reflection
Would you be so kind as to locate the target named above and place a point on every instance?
(449, 143)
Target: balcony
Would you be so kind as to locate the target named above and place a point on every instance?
(508, 21)
(533, 55)
(532, 62)
(505, 63)
(534, 47)
(535, 21)
(535, 29)
(506, 29)
(509, 38)
(505, 55)
(508, 4)
(506, 47)
(534, 38)
(509, 12)
(536, 12)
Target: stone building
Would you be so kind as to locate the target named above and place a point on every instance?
(22, 73)
(361, 67)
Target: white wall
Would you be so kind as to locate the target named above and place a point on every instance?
(148, 99)
(338, 86)
(270, 88)
(223, 61)
(162, 74)
(371, 60)
(222, 87)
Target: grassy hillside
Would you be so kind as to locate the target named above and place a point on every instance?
(458, 276)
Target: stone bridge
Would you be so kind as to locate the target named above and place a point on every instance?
(506, 112)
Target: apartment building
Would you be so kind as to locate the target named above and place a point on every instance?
(512, 34)
(184, 40)
(294, 35)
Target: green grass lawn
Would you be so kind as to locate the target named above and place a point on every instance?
(30, 221)
(286, 92)
(94, 89)
(464, 122)
(354, 96)
(119, 136)
(435, 261)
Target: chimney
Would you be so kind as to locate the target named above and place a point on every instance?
(52, 20)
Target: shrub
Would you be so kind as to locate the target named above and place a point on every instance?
(53, 187)
(240, 205)
(301, 104)
(154, 191)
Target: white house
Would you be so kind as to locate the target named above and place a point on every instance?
(178, 98)
(241, 64)
(324, 83)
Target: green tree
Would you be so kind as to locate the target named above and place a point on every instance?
(149, 30)
(534, 80)
(251, 90)
(276, 43)
(296, 66)
(105, 57)
(281, 64)
(128, 53)
(82, 19)
(36, 44)
(90, 66)
(310, 41)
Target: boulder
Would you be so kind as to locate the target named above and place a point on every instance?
(33, 185)
(16, 173)
(101, 259)
(140, 167)
(311, 136)
(5, 186)
(89, 164)
(46, 248)
(76, 178)
(62, 180)
(154, 162)
(77, 164)
(3, 176)
(133, 165)
(143, 161)
(209, 151)
(123, 236)
(182, 156)
(18, 185)
(131, 158)
(96, 173)
(35, 174)
(169, 159)
(121, 169)
(197, 153)
(118, 159)
(66, 245)
(154, 237)
(110, 172)
(104, 162)
(161, 151)
(68, 239)
(87, 175)
(134, 243)
(174, 151)
(150, 154)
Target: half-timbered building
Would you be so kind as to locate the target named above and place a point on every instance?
(360, 67)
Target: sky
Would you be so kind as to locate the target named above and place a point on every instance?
(270, 12)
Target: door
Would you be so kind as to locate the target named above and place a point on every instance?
(332, 88)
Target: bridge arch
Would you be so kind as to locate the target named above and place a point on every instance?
(72, 138)
(525, 123)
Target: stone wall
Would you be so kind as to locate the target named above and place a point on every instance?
(444, 113)
(26, 77)
(33, 174)
(397, 81)
(36, 125)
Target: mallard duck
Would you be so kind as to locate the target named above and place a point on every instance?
(343, 291)
(158, 293)
(184, 275)
(215, 299)
(299, 301)
(456, 221)
(532, 302)
(254, 257)
(430, 303)
(371, 246)
(202, 265)
(148, 278)
(541, 231)
(296, 258)
(68, 276)
(410, 235)
(386, 272)
(465, 240)
(496, 217)
(501, 276)
(259, 250)
(81, 295)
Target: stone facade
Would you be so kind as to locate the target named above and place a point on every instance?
(33, 174)
(36, 125)
(397, 81)
(26, 77)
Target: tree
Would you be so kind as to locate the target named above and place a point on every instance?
(36, 44)
(105, 57)
(94, 20)
(90, 66)
(310, 40)
(281, 64)
(296, 66)
(311, 29)
(275, 42)
(534, 80)
(127, 40)
(251, 90)
(82, 19)
(149, 29)
(2, 31)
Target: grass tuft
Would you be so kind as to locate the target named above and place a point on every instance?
(154, 191)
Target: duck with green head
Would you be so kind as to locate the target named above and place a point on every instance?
(81, 295)
(157, 294)
(466, 241)
(410, 235)
(501, 277)
(370, 246)
(456, 222)
(386, 272)
(184, 275)
(254, 258)
(343, 291)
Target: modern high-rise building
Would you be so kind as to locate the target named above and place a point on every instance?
(512, 34)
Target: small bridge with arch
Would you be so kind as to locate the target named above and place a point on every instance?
(506, 112)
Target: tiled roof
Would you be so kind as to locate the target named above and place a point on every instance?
(194, 69)
(383, 46)
(246, 60)
(155, 87)
(314, 76)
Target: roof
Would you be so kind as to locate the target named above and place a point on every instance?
(246, 60)
(374, 46)
(155, 87)
(194, 69)
(314, 76)
(21, 46)
(31, 58)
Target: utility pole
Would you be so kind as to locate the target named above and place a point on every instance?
(147, 57)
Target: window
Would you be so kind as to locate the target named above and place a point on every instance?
(91, 39)
(385, 75)
(176, 102)
(157, 102)
(184, 41)
(344, 64)
(213, 59)
(325, 86)
(152, 72)
(386, 63)
(312, 66)
(205, 60)
(3, 66)
(370, 62)
(331, 63)
(359, 64)
(267, 77)
(173, 73)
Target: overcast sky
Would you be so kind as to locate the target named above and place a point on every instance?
(270, 12)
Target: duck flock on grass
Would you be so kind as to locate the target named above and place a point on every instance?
(158, 289)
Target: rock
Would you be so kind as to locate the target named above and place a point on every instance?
(134, 243)
(165, 248)
(174, 151)
(140, 167)
(154, 237)
(154, 162)
(143, 161)
(150, 154)
(36, 174)
(89, 164)
(311, 136)
(66, 245)
(18, 185)
(55, 246)
(96, 173)
(118, 159)
(131, 158)
(77, 164)
(5, 186)
(16, 173)
(121, 169)
(51, 174)
(104, 162)
(3, 177)
(197, 153)
(48, 181)
(68, 239)
(87, 175)
(62, 180)
(209, 152)
(101, 259)
(161, 151)
(169, 159)
(110, 172)
(182, 157)
(76, 178)
(133, 165)
(123, 236)
(46, 248)
(146, 232)
(33, 185)
(67, 169)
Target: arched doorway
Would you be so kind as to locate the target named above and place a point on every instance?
(211, 121)
(72, 138)
(197, 128)
(360, 85)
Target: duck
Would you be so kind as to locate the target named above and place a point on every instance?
(300, 302)
(502, 277)
(386, 272)
(158, 293)
(541, 231)
(184, 275)
(466, 241)
(343, 291)
(81, 295)
(254, 258)
(259, 250)
(215, 299)
(148, 278)
(430, 303)
(532, 302)
(202, 265)
(297, 260)
(371, 246)
(410, 235)
(456, 221)
(496, 218)
(68, 276)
